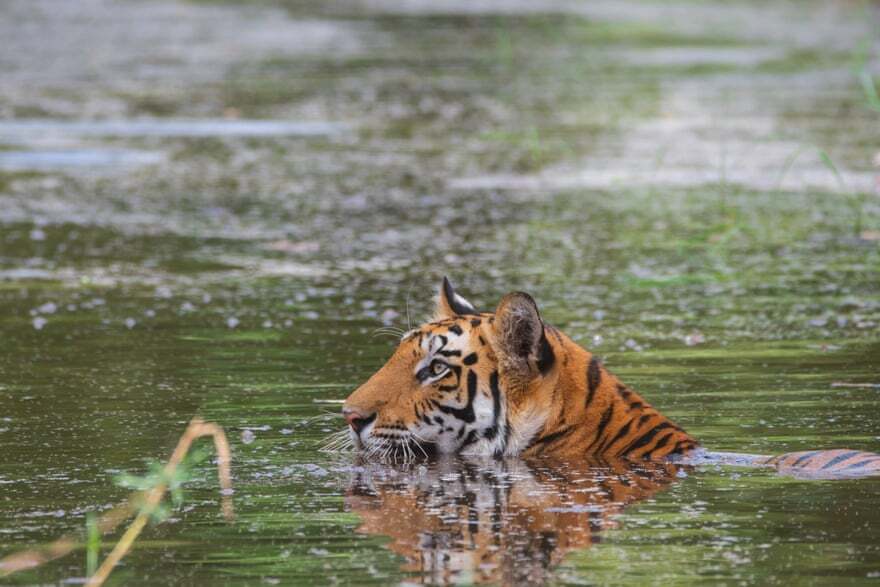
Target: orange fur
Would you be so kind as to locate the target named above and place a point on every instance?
(505, 383)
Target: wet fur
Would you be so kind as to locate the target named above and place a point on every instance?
(518, 387)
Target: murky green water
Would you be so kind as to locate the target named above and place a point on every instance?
(693, 199)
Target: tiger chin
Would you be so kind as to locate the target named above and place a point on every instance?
(506, 384)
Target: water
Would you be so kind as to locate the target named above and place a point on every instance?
(29, 129)
(243, 280)
(39, 133)
(76, 158)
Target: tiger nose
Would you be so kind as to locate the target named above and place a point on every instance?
(356, 419)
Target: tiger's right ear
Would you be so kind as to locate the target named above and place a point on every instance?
(450, 304)
(522, 348)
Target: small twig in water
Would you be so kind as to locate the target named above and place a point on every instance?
(145, 502)
(196, 429)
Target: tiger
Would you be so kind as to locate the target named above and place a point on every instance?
(479, 520)
(506, 384)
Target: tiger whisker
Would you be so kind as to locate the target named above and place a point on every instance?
(333, 438)
(325, 414)
(339, 444)
(393, 335)
(412, 444)
(381, 448)
(418, 444)
(392, 452)
(406, 303)
(334, 447)
(396, 448)
(337, 441)
(385, 448)
(389, 330)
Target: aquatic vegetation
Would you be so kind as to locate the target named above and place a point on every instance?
(146, 504)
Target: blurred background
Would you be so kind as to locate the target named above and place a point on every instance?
(210, 205)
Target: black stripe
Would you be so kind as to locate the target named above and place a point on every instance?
(594, 379)
(840, 458)
(490, 433)
(664, 440)
(595, 521)
(470, 438)
(550, 437)
(603, 422)
(805, 457)
(646, 438)
(681, 446)
(467, 412)
(456, 329)
(500, 451)
(620, 434)
(861, 464)
(506, 441)
(555, 332)
(470, 359)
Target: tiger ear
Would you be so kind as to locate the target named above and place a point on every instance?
(450, 304)
(519, 336)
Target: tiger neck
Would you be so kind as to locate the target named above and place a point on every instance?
(583, 409)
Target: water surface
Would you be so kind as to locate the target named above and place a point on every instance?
(664, 191)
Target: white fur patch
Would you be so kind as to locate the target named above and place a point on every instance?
(527, 425)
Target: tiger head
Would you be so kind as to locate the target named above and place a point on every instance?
(467, 382)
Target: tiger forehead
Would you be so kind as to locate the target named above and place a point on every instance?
(450, 332)
(453, 327)
(444, 339)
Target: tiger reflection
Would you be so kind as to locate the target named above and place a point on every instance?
(478, 521)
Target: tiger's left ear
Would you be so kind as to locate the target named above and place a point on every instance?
(450, 304)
